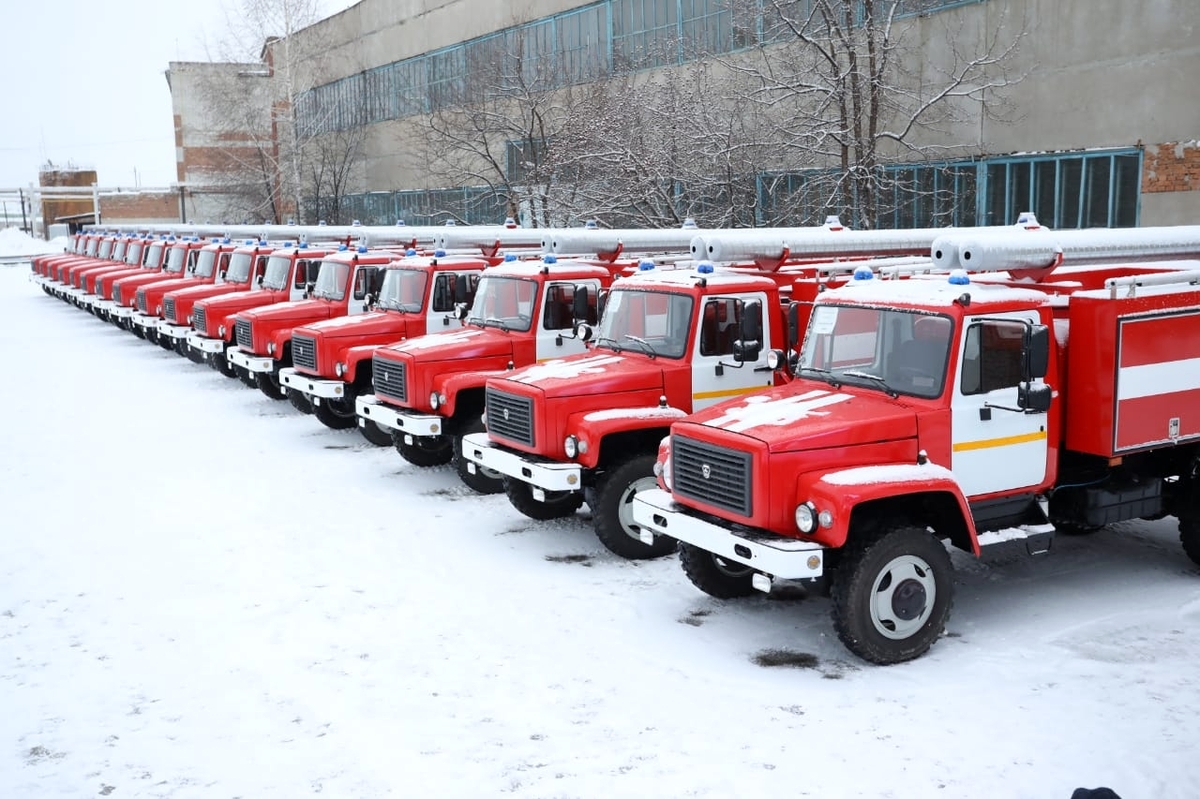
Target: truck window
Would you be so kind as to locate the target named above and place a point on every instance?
(504, 302)
(992, 356)
(719, 325)
(663, 320)
(444, 288)
(559, 313)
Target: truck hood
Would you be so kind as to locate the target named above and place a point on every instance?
(203, 291)
(241, 301)
(361, 326)
(807, 416)
(593, 373)
(468, 343)
(155, 291)
(137, 281)
(293, 313)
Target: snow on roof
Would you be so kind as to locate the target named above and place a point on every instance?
(689, 277)
(564, 368)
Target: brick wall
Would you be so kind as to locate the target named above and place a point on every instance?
(1173, 166)
(143, 206)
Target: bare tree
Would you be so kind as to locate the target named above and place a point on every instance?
(331, 167)
(848, 92)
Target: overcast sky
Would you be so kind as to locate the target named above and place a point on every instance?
(83, 82)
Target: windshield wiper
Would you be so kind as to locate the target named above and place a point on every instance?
(649, 349)
(616, 347)
(891, 392)
(500, 323)
(823, 374)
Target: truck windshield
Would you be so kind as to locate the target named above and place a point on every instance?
(176, 258)
(118, 253)
(91, 246)
(154, 256)
(634, 319)
(403, 290)
(896, 351)
(105, 248)
(239, 268)
(331, 280)
(204, 264)
(504, 302)
(278, 269)
(133, 254)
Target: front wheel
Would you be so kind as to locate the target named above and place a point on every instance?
(557, 505)
(484, 481)
(268, 383)
(892, 594)
(299, 400)
(333, 414)
(375, 434)
(424, 450)
(714, 575)
(612, 515)
(1189, 536)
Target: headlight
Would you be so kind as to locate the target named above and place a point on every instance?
(434, 400)
(158, 310)
(806, 520)
(662, 469)
(339, 368)
(776, 359)
(571, 446)
(189, 321)
(825, 518)
(270, 348)
(221, 331)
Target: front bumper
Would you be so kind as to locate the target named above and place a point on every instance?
(103, 307)
(312, 386)
(786, 558)
(145, 321)
(123, 311)
(389, 418)
(263, 364)
(549, 475)
(169, 330)
(202, 343)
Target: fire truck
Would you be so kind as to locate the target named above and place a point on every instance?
(211, 262)
(1024, 383)
(128, 297)
(100, 302)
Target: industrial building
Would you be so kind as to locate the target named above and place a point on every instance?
(1083, 112)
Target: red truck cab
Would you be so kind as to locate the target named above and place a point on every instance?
(332, 359)
(65, 271)
(946, 407)
(179, 256)
(587, 427)
(39, 265)
(154, 255)
(75, 292)
(429, 390)
(347, 281)
(290, 272)
(238, 270)
(211, 261)
(131, 258)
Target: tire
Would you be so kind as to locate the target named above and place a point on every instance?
(247, 377)
(375, 434)
(558, 505)
(222, 364)
(424, 451)
(483, 481)
(1189, 536)
(714, 575)
(137, 331)
(892, 594)
(332, 414)
(611, 517)
(166, 342)
(268, 383)
(299, 401)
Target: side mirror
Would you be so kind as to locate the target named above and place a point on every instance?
(749, 345)
(583, 332)
(221, 275)
(579, 304)
(793, 326)
(601, 304)
(1034, 397)
(369, 301)
(308, 289)
(259, 281)
(460, 291)
(1036, 353)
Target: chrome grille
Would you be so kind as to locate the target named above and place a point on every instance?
(198, 320)
(241, 329)
(141, 300)
(169, 310)
(389, 380)
(510, 416)
(116, 295)
(304, 352)
(714, 475)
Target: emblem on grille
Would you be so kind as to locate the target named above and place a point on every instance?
(705, 471)
(384, 376)
(506, 414)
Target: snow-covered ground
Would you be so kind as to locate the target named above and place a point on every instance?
(205, 594)
(17, 244)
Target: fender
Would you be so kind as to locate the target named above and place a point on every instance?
(593, 426)
(450, 384)
(353, 358)
(841, 491)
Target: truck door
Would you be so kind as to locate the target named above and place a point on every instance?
(441, 314)
(716, 376)
(304, 274)
(995, 446)
(557, 321)
(364, 285)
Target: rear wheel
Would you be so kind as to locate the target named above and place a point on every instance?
(485, 481)
(557, 504)
(715, 576)
(335, 415)
(425, 450)
(892, 594)
(612, 516)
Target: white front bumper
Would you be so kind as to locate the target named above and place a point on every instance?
(389, 418)
(104, 306)
(550, 475)
(73, 293)
(202, 343)
(144, 321)
(165, 328)
(312, 386)
(252, 363)
(123, 311)
(787, 558)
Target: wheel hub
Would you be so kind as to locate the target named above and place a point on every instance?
(909, 600)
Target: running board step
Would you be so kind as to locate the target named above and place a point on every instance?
(1037, 537)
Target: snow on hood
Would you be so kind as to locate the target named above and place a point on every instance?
(591, 374)
(564, 368)
(457, 345)
(790, 418)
